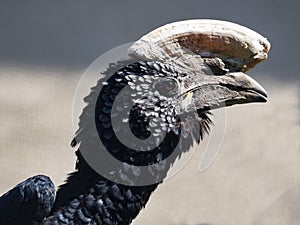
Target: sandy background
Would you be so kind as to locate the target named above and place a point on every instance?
(45, 48)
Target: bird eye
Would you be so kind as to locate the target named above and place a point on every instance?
(167, 87)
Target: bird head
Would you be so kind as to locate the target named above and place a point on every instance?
(146, 110)
(150, 109)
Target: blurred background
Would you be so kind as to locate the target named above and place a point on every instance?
(45, 46)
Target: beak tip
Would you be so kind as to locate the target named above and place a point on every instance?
(264, 99)
(263, 93)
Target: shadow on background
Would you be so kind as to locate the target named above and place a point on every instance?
(73, 33)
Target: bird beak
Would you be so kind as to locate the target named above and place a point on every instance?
(211, 92)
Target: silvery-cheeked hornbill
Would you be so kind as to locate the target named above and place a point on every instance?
(174, 76)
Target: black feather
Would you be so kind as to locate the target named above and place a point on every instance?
(88, 197)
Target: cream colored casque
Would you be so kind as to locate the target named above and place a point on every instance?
(238, 46)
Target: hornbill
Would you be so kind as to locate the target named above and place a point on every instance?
(174, 76)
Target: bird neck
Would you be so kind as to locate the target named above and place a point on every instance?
(99, 198)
